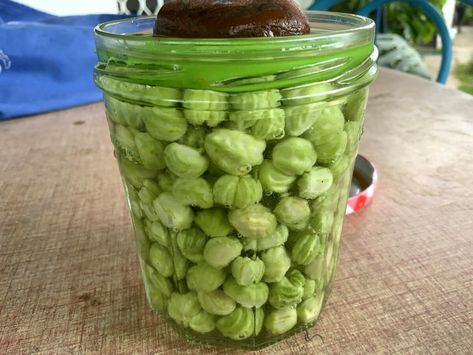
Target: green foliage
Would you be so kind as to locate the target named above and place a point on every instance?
(403, 19)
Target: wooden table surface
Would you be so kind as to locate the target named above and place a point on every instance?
(69, 280)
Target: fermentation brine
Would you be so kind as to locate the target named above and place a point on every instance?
(236, 155)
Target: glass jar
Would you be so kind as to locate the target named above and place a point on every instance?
(236, 156)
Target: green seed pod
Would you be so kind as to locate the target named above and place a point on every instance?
(237, 325)
(146, 195)
(309, 310)
(161, 283)
(306, 94)
(134, 202)
(315, 182)
(309, 289)
(161, 259)
(213, 222)
(156, 299)
(113, 110)
(300, 118)
(327, 201)
(255, 100)
(182, 308)
(316, 269)
(273, 180)
(194, 138)
(270, 126)
(340, 166)
(191, 243)
(356, 103)
(152, 186)
(158, 233)
(330, 151)
(255, 221)
(150, 151)
(279, 321)
(142, 242)
(210, 118)
(203, 322)
(254, 295)
(294, 212)
(216, 302)
(294, 156)
(247, 271)
(125, 113)
(259, 320)
(124, 140)
(203, 277)
(237, 192)
(166, 124)
(149, 211)
(156, 95)
(134, 173)
(185, 161)
(172, 213)
(288, 291)
(193, 191)
(322, 222)
(166, 181)
(353, 130)
(306, 249)
(205, 100)
(276, 262)
(220, 251)
(329, 123)
(279, 237)
(234, 152)
(181, 264)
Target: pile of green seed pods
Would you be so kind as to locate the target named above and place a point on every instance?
(237, 200)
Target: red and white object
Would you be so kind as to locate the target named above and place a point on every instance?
(363, 186)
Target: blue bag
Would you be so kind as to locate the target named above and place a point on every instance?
(46, 61)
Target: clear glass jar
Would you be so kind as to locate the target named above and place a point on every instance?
(236, 156)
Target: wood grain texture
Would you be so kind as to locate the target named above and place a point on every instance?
(69, 280)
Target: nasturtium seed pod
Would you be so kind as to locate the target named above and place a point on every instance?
(191, 243)
(309, 289)
(216, 302)
(306, 248)
(194, 138)
(124, 140)
(158, 233)
(276, 262)
(294, 212)
(255, 221)
(353, 130)
(181, 264)
(273, 180)
(288, 291)
(114, 113)
(134, 202)
(279, 321)
(213, 222)
(205, 100)
(315, 182)
(203, 322)
(300, 118)
(294, 156)
(270, 125)
(150, 150)
(332, 150)
(340, 166)
(134, 173)
(322, 222)
(203, 277)
(193, 191)
(149, 211)
(142, 241)
(253, 295)
(220, 251)
(156, 299)
(172, 213)
(279, 237)
(247, 271)
(146, 195)
(329, 123)
(355, 106)
(166, 180)
(306, 94)
(166, 124)
(255, 100)
(161, 283)
(152, 186)
(209, 118)
(237, 192)
(183, 307)
(309, 309)
(259, 320)
(316, 269)
(238, 325)
(234, 152)
(185, 161)
(161, 259)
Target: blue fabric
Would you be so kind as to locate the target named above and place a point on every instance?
(46, 61)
